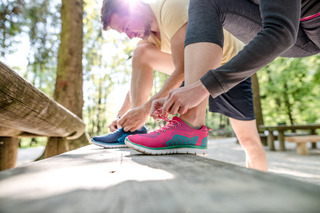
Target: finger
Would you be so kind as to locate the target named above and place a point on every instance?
(112, 128)
(153, 107)
(122, 120)
(127, 128)
(133, 128)
(167, 106)
(156, 105)
(183, 110)
(154, 116)
(167, 102)
(128, 125)
(130, 128)
(175, 108)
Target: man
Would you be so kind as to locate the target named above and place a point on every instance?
(162, 25)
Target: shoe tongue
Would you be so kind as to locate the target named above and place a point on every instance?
(184, 124)
(175, 118)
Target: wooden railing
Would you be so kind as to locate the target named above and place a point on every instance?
(25, 111)
(281, 129)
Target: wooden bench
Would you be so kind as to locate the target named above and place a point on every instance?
(281, 131)
(93, 179)
(301, 142)
(25, 111)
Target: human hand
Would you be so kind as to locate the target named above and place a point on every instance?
(134, 118)
(184, 98)
(114, 125)
(156, 110)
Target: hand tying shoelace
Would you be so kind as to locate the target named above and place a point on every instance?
(165, 117)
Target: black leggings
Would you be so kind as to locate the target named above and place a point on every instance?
(270, 29)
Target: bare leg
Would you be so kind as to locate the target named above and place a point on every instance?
(146, 58)
(249, 139)
(199, 58)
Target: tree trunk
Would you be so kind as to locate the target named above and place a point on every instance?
(68, 88)
(99, 106)
(288, 104)
(257, 100)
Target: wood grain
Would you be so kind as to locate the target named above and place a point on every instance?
(93, 179)
(25, 108)
(8, 152)
(303, 138)
(301, 141)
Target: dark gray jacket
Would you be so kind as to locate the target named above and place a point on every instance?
(281, 20)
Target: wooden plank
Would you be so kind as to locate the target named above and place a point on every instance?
(281, 141)
(305, 138)
(289, 127)
(4, 131)
(270, 140)
(27, 109)
(8, 152)
(9, 132)
(301, 141)
(92, 179)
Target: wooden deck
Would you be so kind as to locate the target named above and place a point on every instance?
(92, 179)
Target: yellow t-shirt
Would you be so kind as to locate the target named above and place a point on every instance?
(171, 15)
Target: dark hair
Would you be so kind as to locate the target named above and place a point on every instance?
(110, 7)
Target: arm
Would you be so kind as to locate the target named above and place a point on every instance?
(281, 22)
(177, 77)
(141, 113)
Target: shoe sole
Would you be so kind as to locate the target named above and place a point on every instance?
(104, 145)
(149, 151)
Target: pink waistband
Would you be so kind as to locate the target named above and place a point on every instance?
(310, 17)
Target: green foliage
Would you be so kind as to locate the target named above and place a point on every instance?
(11, 22)
(32, 142)
(43, 27)
(107, 65)
(290, 90)
(37, 22)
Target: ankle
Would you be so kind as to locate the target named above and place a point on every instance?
(193, 119)
(191, 125)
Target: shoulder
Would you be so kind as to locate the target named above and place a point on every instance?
(174, 7)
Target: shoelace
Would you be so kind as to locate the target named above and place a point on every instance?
(171, 123)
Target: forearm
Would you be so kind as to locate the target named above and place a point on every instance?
(280, 27)
(174, 81)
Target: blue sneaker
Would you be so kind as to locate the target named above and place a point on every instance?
(116, 138)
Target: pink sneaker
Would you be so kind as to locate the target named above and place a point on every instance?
(175, 137)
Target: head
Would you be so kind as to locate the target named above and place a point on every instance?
(127, 16)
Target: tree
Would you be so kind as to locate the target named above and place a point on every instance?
(290, 90)
(69, 81)
(42, 25)
(257, 99)
(11, 21)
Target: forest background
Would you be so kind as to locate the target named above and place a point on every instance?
(287, 90)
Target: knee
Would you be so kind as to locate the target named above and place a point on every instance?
(142, 54)
(248, 141)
